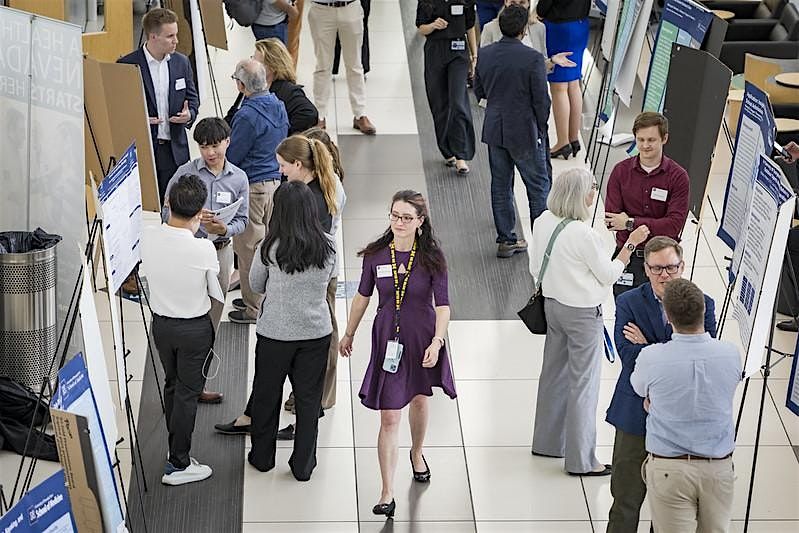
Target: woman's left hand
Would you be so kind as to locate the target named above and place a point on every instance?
(430, 358)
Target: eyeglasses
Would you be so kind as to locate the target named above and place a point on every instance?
(406, 219)
(658, 269)
(233, 77)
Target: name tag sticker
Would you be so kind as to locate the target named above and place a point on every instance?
(659, 194)
(458, 45)
(383, 271)
(456, 9)
(626, 279)
(223, 197)
(180, 83)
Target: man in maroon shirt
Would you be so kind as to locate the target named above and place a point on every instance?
(648, 189)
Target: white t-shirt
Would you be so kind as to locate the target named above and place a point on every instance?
(159, 73)
(270, 15)
(179, 268)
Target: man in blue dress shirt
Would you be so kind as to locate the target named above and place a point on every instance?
(689, 384)
(640, 321)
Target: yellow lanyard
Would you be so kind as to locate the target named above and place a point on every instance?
(399, 292)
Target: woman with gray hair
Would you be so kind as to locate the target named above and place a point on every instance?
(577, 274)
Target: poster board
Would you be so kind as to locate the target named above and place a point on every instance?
(754, 137)
(609, 29)
(214, 23)
(761, 247)
(792, 401)
(684, 22)
(44, 508)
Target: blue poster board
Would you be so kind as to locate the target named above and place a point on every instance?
(45, 508)
(792, 402)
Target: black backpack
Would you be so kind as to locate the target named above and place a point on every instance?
(18, 402)
(244, 12)
(20, 408)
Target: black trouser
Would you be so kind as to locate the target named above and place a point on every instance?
(367, 6)
(304, 362)
(634, 267)
(183, 345)
(165, 166)
(445, 72)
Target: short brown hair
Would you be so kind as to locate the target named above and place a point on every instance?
(157, 17)
(656, 244)
(684, 303)
(650, 118)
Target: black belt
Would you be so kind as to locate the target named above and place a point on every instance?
(221, 244)
(689, 457)
(162, 141)
(201, 317)
(335, 4)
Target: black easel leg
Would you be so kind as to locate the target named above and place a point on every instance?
(138, 471)
(696, 248)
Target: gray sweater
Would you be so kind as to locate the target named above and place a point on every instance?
(295, 305)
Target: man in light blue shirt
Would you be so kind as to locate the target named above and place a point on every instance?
(688, 386)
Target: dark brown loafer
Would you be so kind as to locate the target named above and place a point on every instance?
(208, 396)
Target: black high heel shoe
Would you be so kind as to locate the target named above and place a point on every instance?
(385, 509)
(575, 147)
(421, 477)
(563, 152)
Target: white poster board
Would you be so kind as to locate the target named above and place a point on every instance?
(762, 247)
(625, 82)
(609, 29)
(120, 199)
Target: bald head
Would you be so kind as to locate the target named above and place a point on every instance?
(252, 75)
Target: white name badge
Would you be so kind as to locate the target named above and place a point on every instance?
(180, 83)
(625, 279)
(393, 356)
(659, 194)
(456, 9)
(384, 271)
(223, 197)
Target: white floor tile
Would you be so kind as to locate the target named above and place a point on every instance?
(497, 412)
(300, 527)
(494, 349)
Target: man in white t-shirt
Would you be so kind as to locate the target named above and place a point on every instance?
(182, 274)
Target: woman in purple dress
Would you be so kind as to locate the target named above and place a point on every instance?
(410, 272)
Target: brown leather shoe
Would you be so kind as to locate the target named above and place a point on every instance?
(364, 125)
(208, 396)
(130, 286)
(322, 123)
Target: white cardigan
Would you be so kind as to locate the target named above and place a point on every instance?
(580, 271)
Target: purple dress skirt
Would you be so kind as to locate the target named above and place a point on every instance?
(385, 390)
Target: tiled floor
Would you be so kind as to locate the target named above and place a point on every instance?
(478, 446)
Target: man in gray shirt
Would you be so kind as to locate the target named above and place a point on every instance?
(226, 184)
(688, 385)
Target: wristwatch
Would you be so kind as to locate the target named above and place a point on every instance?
(630, 246)
(630, 224)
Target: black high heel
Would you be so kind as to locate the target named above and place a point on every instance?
(563, 152)
(385, 509)
(575, 147)
(421, 477)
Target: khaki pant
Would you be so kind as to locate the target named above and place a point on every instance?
(329, 392)
(245, 243)
(225, 258)
(295, 26)
(690, 495)
(347, 21)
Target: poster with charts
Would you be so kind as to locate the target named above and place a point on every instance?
(120, 200)
(43, 509)
(762, 248)
(683, 22)
(792, 402)
(754, 137)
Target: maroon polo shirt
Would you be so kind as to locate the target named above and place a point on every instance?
(630, 191)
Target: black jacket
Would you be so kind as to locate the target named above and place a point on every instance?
(563, 10)
(300, 110)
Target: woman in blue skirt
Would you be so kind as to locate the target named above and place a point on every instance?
(567, 31)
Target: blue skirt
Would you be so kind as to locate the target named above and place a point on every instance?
(567, 37)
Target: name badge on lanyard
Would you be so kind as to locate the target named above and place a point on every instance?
(394, 348)
(458, 45)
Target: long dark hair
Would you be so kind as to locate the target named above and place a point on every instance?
(294, 225)
(427, 248)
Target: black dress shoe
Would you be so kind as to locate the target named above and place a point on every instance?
(565, 152)
(575, 147)
(421, 477)
(232, 429)
(287, 433)
(546, 455)
(604, 472)
(788, 325)
(385, 509)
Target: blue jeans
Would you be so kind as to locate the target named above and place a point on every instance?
(537, 180)
(280, 30)
(486, 12)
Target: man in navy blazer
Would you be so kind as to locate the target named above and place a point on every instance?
(513, 78)
(172, 99)
(640, 321)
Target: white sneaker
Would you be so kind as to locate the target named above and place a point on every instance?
(194, 472)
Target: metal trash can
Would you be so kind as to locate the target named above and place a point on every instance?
(28, 315)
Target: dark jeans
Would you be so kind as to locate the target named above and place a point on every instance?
(304, 362)
(367, 7)
(537, 181)
(165, 166)
(183, 345)
(487, 11)
(280, 30)
(626, 485)
(636, 267)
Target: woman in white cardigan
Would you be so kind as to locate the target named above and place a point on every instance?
(576, 281)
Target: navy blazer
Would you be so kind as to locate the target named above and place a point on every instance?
(639, 306)
(179, 68)
(513, 78)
